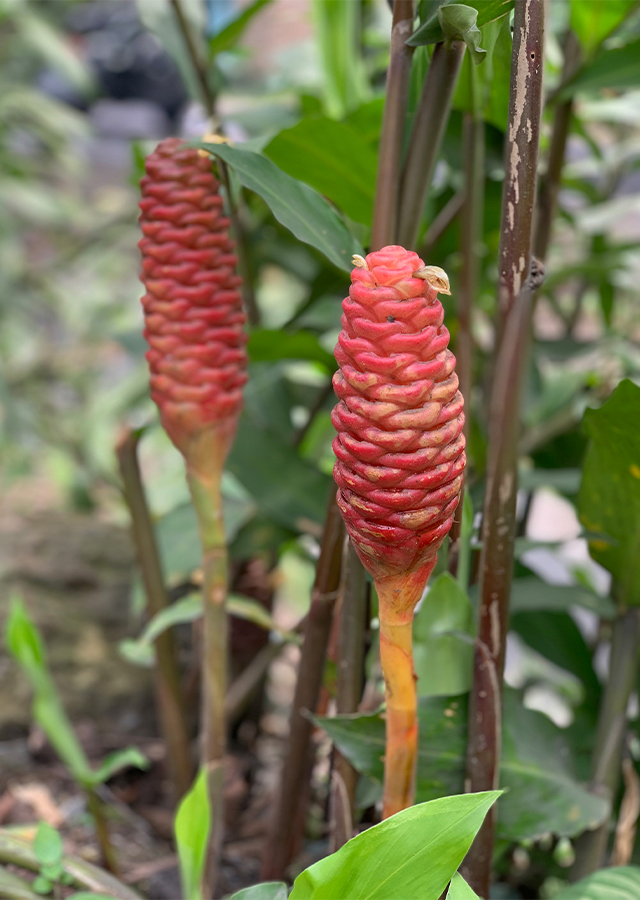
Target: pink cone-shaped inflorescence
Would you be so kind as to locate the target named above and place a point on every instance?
(400, 448)
(193, 307)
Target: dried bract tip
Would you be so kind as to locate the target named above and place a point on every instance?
(436, 277)
(359, 261)
(213, 138)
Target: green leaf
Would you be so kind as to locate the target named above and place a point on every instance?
(15, 888)
(431, 31)
(443, 661)
(594, 21)
(532, 594)
(484, 90)
(115, 762)
(460, 890)
(334, 159)
(54, 49)
(541, 793)
(229, 36)
(622, 883)
(192, 825)
(47, 845)
(25, 644)
(616, 68)
(268, 890)
(459, 23)
(294, 204)
(89, 895)
(266, 345)
(41, 885)
(412, 855)
(338, 28)
(609, 497)
(366, 120)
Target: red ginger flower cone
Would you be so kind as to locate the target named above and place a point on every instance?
(400, 459)
(193, 308)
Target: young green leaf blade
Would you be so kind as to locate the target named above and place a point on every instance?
(229, 36)
(594, 21)
(331, 157)
(609, 497)
(192, 825)
(117, 761)
(268, 890)
(413, 854)
(460, 890)
(618, 883)
(294, 204)
(614, 68)
(47, 845)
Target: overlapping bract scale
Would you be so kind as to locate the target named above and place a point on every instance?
(400, 447)
(193, 308)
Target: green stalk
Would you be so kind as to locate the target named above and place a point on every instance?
(205, 487)
(606, 763)
(519, 279)
(351, 639)
(284, 834)
(169, 699)
(426, 137)
(96, 808)
(385, 215)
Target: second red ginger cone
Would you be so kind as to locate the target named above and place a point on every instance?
(400, 459)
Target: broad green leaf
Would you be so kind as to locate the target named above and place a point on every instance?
(331, 157)
(367, 121)
(294, 204)
(614, 68)
(541, 792)
(266, 345)
(47, 845)
(287, 489)
(431, 31)
(117, 761)
(609, 498)
(460, 890)
(459, 23)
(338, 28)
(412, 855)
(443, 660)
(531, 594)
(192, 824)
(595, 20)
(566, 481)
(229, 36)
(268, 890)
(621, 883)
(484, 90)
(556, 636)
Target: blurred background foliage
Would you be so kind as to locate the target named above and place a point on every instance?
(86, 89)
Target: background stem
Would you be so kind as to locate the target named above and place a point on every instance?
(169, 699)
(426, 137)
(385, 215)
(517, 286)
(351, 639)
(284, 833)
(591, 848)
(96, 808)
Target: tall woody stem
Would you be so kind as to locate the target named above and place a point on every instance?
(426, 137)
(385, 216)
(171, 705)
(285, 829)
(518, 282)
(353, 607)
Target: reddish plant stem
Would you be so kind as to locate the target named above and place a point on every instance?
(426, 137)
(284, 833)
(518, 282)
(521, 155)
(550, 181)
(169, 699)
(441, 222)
(385, 215)
(351, 634)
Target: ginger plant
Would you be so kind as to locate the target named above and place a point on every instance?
(400, 459)
(194, 326)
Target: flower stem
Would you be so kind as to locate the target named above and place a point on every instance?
(397, 598)
(169, 697)
(385, 215)
(428, 129)
(205, 486)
